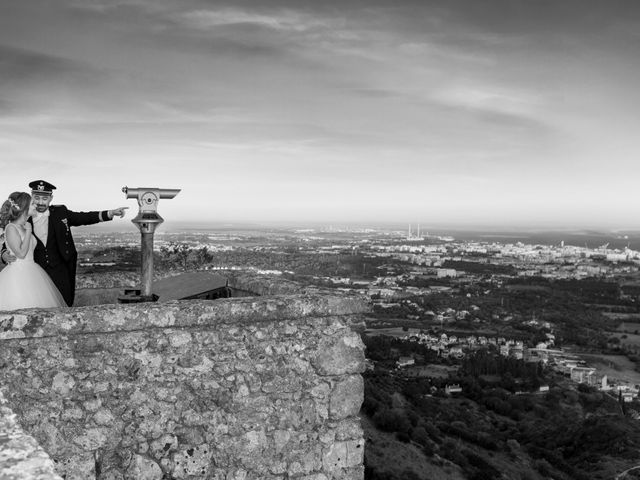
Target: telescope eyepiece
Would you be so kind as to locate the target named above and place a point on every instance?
(144, 194)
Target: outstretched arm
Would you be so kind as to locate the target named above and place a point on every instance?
(18, 245)
(77, 219)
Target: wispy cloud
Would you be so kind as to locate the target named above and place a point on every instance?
(284, 20)
(523, 105)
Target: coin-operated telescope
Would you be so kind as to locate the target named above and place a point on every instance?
(147, 220)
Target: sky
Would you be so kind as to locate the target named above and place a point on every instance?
(502, 112)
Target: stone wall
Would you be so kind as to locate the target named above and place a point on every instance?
(244, 388)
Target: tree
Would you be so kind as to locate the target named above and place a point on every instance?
(184, 255)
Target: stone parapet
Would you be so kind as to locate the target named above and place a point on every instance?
(242, 388)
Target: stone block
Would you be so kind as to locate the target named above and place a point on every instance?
(343, 455)
(62, 384)
(335, 457)
(281, 439)
(164, 446)
(103, 417)
(349, 429)
(78, 467)
(354, 473)
(194, 461)
(143, 468)
(315, 476)
(255, 441)
(92, 439)
(346, 397)
(339, 356)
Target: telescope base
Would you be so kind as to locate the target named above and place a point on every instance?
(134, 296)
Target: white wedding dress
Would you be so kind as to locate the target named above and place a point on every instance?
(24, 284)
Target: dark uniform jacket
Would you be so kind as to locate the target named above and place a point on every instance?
(59, 256)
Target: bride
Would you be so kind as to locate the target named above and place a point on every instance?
(23, 283)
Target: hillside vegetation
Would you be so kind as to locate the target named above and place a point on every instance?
(489, 431)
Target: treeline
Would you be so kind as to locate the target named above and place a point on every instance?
(587, 290)
(185, 256)
(383, 348)
(422, 281)
(591, 290)
(479, 268)
(125, 259)
(489, 362)
(567, 304)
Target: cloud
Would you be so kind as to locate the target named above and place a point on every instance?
(33, 83)
(493, 101)
(18, 66)
(229, 33)
(251, 29)
(285, 20)
(450, 100)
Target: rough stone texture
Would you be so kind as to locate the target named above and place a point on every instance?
(245, 388)
(20, 455)
(264, 284)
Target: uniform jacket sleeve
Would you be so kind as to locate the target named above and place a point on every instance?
(77, 219)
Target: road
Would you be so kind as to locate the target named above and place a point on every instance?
(622, 475)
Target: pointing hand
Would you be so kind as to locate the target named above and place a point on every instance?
(118, 212)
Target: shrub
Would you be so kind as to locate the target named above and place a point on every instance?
(420, 435)
(429, 448)
(391, 420)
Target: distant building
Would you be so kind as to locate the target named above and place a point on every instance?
(627, 397)
(516, 352)
(456, 352)
(405, 362)
(446, 272)
(453, 388)
(584, 375)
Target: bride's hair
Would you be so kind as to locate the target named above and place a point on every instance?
(13, 207)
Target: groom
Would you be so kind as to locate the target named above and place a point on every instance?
(55, 251)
